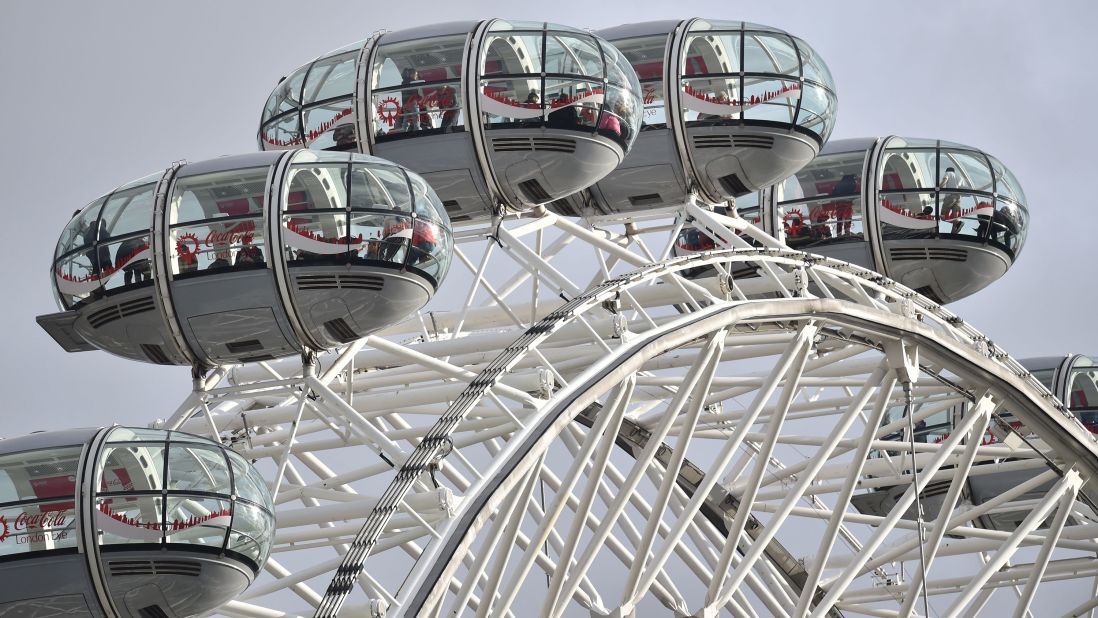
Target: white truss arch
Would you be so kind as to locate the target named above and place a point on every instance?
(459, 430)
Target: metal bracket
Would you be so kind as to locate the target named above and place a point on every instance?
(903, 358)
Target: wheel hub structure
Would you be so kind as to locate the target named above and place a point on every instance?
(601, 429)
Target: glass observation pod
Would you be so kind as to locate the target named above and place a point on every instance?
(123, 522)
(729, 108)
(947, 220)
(1074, 381)
(489, 113)
(249, 257)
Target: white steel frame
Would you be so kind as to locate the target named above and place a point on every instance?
(431, 467)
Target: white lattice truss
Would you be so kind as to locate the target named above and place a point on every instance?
(592, 433)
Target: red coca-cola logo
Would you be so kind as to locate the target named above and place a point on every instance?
(30, 523)
(241, 234)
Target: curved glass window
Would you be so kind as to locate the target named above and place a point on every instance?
(732, 72)
(106, 246)
(160, 487)
(215, 222)
(314, 106)
(822, 203)
(38, 500)
(367, 213)
(557, 78)
(930, 188)
(416, 87)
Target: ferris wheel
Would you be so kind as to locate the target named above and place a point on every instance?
(712, 382)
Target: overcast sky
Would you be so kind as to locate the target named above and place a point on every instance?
(97, 94)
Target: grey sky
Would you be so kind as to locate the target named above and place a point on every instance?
(98, 94)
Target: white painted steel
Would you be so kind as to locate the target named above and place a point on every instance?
(584, 436)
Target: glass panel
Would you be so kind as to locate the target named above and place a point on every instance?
(823, 221)
(572, 55)
(197, 521)
(655, 112)
(138, 467)
(283, 133)
(131, 262)
(427, 248)
(619, 116)
(317, 187)
(1008, 225)
(813, 66)
(129, 520)
(129, 211)
(251, 532)
(908, 169)
(216, 246)
(572, 105)
(510, 101)
(31, 475)
(769, 53)
(418, 61)
(618, 70)
(512, 54)
(832, 175)
(396, 235)
(711, 100)
(286, 95)
(77, 276)
(249, 485)
(331, 77)
(81, 230)
(907, 215)
(37, 527)
(427, 203)
(312, 237)
(220, 194)
(197, 468)
(771, 100)
(712, 54)
(964, 214)
(818, 107)
(378, 187)
(1006, 184)
(331, 126)
(972, 169)
(422, 108)
(370, 228)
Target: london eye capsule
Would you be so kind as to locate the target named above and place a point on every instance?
(946, 219)
(249, 257)
(489, 113)
(127, 522)
(729, 108)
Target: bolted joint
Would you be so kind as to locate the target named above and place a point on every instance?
(903, 358)
(378, 608)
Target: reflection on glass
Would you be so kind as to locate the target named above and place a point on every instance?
(769, 52)
(284, 132)
(572, 54)
(510, 101)
(515, 54)
(197, 468)
(139, 467)
(331, 77)
(197, 520)
(331, 126)
(133, 519)
(131, 263)
(253, 529)
(215, 246)
(316, 237)
(416, 87)
(907, 215)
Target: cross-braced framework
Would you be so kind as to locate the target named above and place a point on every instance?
(781, 434)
